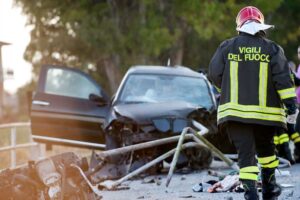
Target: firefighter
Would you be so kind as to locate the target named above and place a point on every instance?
(283, 137)
(295, 137)
(253, 76)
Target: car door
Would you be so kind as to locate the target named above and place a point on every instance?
(62, 110)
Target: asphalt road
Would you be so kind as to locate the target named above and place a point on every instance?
(181, 186)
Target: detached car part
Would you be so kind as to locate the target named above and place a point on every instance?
(53, 178)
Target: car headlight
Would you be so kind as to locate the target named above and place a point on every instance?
(179, 125)
(162, 125)
(175, 125)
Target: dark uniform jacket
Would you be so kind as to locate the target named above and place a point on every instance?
(254, 79)
(295, 79)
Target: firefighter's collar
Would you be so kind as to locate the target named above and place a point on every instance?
(253, 27)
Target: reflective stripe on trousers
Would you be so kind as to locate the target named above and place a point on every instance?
(268, 162)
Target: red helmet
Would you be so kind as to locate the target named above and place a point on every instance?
(249, 13)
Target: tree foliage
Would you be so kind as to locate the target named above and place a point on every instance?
(106, 37)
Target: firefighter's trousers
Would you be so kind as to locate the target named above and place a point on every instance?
(251, 140)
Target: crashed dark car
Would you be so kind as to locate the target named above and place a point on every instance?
(152, 102)
(156, 102)
(70, 108)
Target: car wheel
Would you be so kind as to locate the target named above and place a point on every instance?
(199, 157)
(111, 141)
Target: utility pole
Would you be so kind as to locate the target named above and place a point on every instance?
(1, 80)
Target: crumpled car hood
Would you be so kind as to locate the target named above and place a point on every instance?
(144, 112)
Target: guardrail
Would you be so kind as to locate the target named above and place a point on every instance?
(13, 142)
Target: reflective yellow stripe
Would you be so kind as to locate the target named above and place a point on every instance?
(250, 169)
(287, 93)
(297, 140)
(292, 77)
(276, 140)
(283, 138)
(234, 81)
(264, 160)
(273, 164)
(295, 135)
(263, 82)
(268, 162)
(252, 115)
(248, 176)
(218, 89)
(252, 108)
(284, 135)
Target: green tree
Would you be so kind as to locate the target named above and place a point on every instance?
(287, 29)
(105, 37)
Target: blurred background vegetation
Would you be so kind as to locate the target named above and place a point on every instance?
(105, 37)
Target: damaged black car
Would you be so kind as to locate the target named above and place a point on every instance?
(152, 102)
(155, 102)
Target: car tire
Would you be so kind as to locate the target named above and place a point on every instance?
(111, 141)
(199, 157)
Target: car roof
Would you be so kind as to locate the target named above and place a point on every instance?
(168, 70)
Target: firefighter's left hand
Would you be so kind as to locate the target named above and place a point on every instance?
(292, 118)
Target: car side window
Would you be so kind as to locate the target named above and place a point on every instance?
(69, 83)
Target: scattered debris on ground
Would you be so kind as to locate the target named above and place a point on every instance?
(66, 175)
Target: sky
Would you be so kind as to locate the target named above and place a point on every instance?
(13, 30)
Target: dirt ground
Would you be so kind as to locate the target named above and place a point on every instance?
(181, 186)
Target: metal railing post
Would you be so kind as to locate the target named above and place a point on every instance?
(13, 139)
(13, 146)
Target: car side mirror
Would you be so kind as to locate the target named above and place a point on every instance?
(98, 99)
